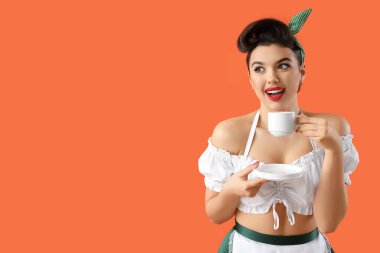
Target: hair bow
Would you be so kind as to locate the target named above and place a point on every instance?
(296, 24)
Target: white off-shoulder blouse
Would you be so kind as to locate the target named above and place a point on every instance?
(217, 165)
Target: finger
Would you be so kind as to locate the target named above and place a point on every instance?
(307, 126)
(310, 133)
(299, 116)
(262, 180)
(306, 119)
(249, 169)
(257, 181)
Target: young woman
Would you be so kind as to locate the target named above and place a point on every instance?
(278, 216)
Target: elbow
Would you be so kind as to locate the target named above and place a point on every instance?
(328, 226)
(331, 223)
(215, 218)
(327, 229)
(331, 227)
(215, 221)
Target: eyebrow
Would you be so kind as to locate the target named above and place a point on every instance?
(281, 60)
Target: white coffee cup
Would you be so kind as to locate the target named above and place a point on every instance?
(281, 123)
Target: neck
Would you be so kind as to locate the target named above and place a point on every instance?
(263, 119)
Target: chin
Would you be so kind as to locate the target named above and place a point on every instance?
(279, 107)
(282, 105)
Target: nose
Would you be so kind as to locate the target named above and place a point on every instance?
(272, 78)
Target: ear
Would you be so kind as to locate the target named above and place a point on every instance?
(303, 72)
(249, 78)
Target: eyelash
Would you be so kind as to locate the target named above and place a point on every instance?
(279, 65)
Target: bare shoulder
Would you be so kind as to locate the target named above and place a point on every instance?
(338, 122)
(230, 134)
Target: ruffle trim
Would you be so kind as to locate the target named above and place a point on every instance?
(347, 179)
(346, 141)
(213, 185)
(349, 152)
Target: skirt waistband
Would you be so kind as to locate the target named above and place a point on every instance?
(276, 239)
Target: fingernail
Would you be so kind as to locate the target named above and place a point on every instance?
(254, 164)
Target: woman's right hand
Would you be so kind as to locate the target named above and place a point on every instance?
(239, 185)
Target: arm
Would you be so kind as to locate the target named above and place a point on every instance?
(221, 206)
(331, 199)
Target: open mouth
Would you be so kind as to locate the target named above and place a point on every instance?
(275, 95)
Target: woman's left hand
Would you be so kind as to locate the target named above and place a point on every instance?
(318, 129)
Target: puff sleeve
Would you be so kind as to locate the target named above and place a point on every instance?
(216, 165)
(350, 157)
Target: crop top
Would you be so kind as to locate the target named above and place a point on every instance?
(297, 195)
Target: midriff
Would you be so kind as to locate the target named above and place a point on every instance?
(263, 223)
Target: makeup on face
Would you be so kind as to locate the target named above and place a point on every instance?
(275, 93)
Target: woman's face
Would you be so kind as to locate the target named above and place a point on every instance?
(275, 66)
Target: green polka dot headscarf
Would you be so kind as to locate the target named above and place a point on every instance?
(296, 24)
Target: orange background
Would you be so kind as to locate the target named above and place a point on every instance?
(106, 107)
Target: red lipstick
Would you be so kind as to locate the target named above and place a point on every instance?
(274, 93)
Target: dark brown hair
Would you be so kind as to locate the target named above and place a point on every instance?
(265, 32)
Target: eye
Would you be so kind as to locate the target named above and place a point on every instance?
(287, 65)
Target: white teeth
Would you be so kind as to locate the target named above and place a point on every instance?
(275, 91)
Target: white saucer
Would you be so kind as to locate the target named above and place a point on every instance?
(278, 172)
